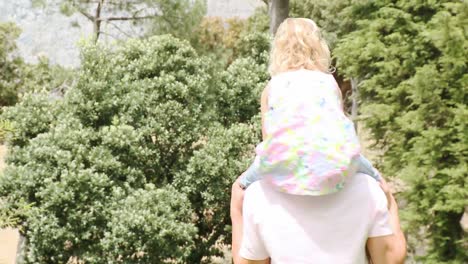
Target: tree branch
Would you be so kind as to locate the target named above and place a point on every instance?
(108, 34)
(127, 18)
(88, 16)
(120, 30)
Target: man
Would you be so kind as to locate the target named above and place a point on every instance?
(335, 228)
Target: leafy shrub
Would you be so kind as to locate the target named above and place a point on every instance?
(146, 218)
(113, 170)
(131, 121)
(33, 115)
(6, 128)
(224, 154)
(324, 13)
(225, 40)
(240, 89)
(218, 38)
(255, 45)
(410, 57)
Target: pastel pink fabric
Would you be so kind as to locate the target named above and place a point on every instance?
(310, 144)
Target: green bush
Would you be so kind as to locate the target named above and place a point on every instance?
(6, 128)
(33, 115)
(223, 155)
(143, 227)
(84, 161)
(239, 90)
(411, 59)
(255, 45)
(325, 14)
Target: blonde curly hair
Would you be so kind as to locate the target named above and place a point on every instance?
(298, 44)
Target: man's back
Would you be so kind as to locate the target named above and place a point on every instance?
(313, 229)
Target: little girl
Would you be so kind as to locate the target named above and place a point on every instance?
(309, 146)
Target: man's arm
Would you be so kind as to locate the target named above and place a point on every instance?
(237, 198)
(390, 249)
(237, 194)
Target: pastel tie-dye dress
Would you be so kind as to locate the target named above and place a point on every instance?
(311, 146)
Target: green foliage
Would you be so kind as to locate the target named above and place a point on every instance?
(177, 17)
(11, 216)
(240, 89)
(88, 161)
(18, 78)
(225, 40)
(255, 45)
(146, 217)
(180, 18)
(10, 64)
(33, 115)
(218, 38)
(6, 128)
(97, 165)
(43, 76)
(411, 58)
(224, 154)
(334, 17)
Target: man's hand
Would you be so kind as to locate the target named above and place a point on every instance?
(391, 203)
(392, 248)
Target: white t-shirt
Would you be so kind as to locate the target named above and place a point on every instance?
(295, 229)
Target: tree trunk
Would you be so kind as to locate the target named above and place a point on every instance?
(354, 97)
(97, 21)
(278, 11)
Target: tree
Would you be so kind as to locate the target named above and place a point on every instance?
(410, 58)
(11, 65)
(98, 164)
(278, 11)
(164, 16)
(225, 40)
(325, 14)
(131, 134)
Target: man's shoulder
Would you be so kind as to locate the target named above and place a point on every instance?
(366, 186)
(260, 194)
(254, 189)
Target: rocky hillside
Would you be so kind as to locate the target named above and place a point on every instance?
(47, 32)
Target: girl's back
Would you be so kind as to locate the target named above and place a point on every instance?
(310, 143)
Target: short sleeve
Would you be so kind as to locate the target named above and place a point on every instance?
(252, 246)
(380, 225)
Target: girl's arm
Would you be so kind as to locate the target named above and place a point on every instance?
(365, 166)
